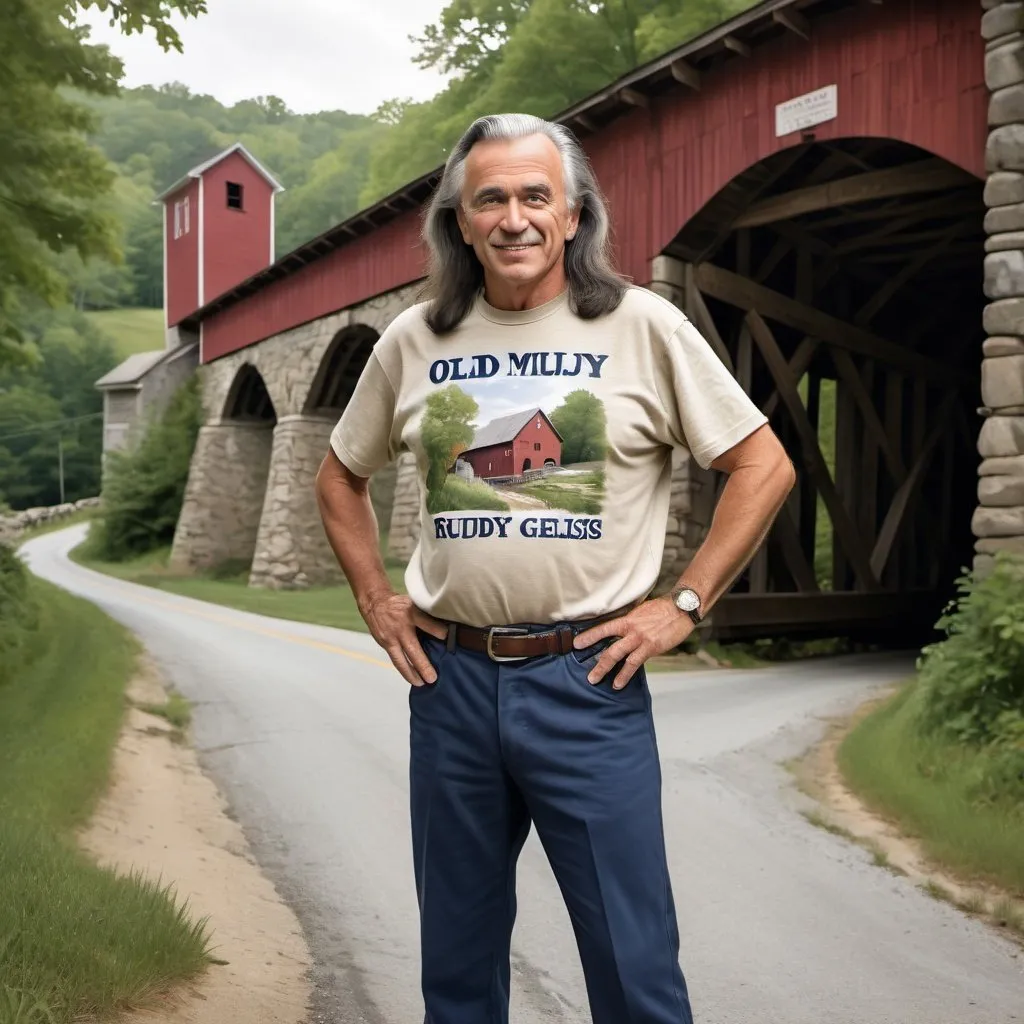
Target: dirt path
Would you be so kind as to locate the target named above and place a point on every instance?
(818, 775)
(518, 501)
(162, 816)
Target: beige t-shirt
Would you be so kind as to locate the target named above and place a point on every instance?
(544, 447)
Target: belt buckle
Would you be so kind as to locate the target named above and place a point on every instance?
(504, 631)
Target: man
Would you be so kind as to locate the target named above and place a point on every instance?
(528, 618)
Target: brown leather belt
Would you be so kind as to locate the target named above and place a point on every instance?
(516, 643)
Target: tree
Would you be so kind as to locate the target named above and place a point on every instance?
(580, 421)
(51, 412)
(51, 178)
(533, 56)
(445, 426)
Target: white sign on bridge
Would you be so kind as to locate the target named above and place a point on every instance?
(804, 111)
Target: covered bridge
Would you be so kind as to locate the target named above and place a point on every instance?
(832, 191)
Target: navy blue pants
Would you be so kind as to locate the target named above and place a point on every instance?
(495, 747)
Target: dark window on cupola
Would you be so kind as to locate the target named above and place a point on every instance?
(234, 195)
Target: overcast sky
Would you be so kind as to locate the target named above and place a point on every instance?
(313, 54)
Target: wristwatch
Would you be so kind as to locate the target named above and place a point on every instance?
(687, 600)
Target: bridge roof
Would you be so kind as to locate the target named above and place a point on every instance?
(683, 65)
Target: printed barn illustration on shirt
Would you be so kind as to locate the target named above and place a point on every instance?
(513, 445)
(547, 453)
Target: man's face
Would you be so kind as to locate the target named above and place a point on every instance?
(515, 215)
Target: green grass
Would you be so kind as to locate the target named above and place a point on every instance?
(926, 786)
(457, 494)
(75, 939)
(177, 711)
(131, 330)
(565, 497)
(326, 606)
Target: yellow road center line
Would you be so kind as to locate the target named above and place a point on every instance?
(107, 582)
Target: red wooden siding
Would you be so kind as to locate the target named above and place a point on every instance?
(375, 263)
(236, 243)
(509, 458)
(181, 258)
(489, 462)
(537, 432)
(908, 69)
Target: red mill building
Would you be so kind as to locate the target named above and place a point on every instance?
(832, 190)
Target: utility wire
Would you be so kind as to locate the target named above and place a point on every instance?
(48, 426)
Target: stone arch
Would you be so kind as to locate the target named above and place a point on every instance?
(227, 482)
(339, 370)
(248, 400)
(841, 282)
(330, 391)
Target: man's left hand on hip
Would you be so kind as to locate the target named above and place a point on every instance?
(652, 628)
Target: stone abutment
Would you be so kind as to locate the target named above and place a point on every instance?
(220, 514)
(998, 522)
(291, 548)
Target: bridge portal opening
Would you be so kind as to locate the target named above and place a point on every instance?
(247, 435)
(842, 283)
(330, 392)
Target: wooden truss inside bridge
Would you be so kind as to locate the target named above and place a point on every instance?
(842, 285)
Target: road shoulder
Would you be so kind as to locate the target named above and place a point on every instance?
(842, 812)
(164, 818)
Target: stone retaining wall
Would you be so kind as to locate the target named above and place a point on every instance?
(998, 522)
(14, 525)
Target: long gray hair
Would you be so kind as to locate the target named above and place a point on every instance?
(455, 273)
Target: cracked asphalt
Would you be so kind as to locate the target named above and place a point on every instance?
(305, 731)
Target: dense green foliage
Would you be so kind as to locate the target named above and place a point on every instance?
(945, 757)
(53, 183)
(75, 940)
(533, 56)
(52, 408)
(972, 682)
(145, 485)
(19, 615)
(581, 423)
(446, 431)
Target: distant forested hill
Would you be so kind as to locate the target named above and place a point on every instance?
(154, 135)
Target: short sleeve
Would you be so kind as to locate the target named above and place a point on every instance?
(362, 437)
(708, 411)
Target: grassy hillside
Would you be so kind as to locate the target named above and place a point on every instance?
(77, 941)
(131, 330)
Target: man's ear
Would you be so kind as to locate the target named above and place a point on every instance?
(573, 224)
(460, 216)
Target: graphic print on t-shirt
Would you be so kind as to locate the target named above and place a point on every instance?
(515, 433)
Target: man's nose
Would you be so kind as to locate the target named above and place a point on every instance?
(514, 223)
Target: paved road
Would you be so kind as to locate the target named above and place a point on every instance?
(305, 729)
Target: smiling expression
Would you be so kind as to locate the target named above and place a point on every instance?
(516, 216)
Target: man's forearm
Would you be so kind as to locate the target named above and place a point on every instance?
(750, 502)
(351, 529)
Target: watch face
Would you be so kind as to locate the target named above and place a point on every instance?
(688, 601)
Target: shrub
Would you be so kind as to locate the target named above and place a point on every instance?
(456, 495)
(144, 487)
(19, 614)
(972, 682)
(971, 688)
